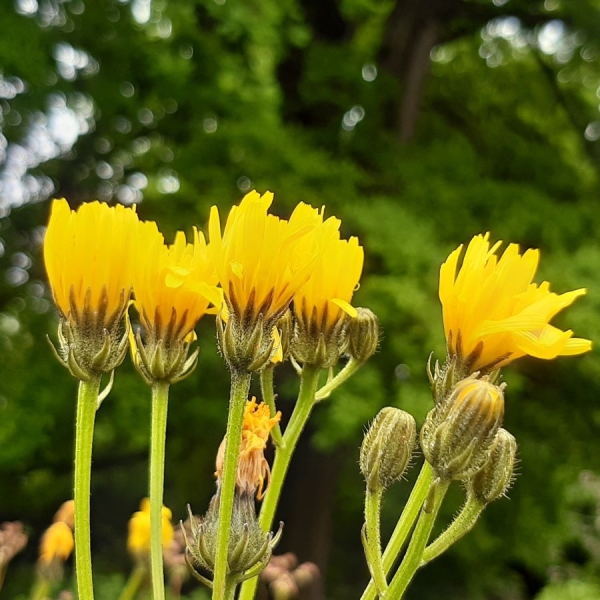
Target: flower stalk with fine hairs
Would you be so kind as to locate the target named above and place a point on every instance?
(174, 287)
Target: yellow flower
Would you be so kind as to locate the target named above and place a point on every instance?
(325, 298)
(173, 285)
(493, 313)
(262, 260)
(253, 468)
(57, 543)
(138, 540)
(89, 256)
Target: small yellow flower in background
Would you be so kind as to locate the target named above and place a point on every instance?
(173, 285)
(89, 256)
(494, 314)
(66, 513)
(138, 540)
(253, 468)
(322, 305)
(57, 543)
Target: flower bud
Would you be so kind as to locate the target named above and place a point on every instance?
(362, 336)
(387, 447)
(250, 548)
(459, 431)
(495, 478)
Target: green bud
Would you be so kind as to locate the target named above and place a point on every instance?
(285, 325)
(387, 447)
(459, 431)
(494, 479)
(362, 336)
(250, 548)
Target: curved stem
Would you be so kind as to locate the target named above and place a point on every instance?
(462, 524)
(41, 589)
(87, 399)
(268, 395)
(283, 455)
(373, 538)
(414, 553)
(160, 403)
(348, 370)
(133, 584)
(240, 384)
(403, 527)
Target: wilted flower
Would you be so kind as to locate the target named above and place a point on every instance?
(253, 468)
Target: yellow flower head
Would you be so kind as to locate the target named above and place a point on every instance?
(253, 468)
(138, 540)
(493, 313)
(262, 260)
(89, 256)
(325, 298)
(57, 543)
(173, 285)
(66, 513)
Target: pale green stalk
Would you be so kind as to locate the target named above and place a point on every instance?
(133, 584)
(268, 396)
(283, 455)
(403, 527)
(372, 543)
(160, 403)
(414, 554)
(344, 374)
(41, 589)
(240, 384)
(87, 400)
(462, 524)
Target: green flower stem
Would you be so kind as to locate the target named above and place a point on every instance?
(268, 396)
(133, 584)
(420, 537)
(160, 403)
(240, 384)
(462, 524)
(403, 527)
(230, 590)
(283, 455)
(87, 399)
(373, 537)
(41, 589)
(349, 369)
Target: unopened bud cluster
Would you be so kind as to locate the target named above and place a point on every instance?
(387, 448)
(460, 430)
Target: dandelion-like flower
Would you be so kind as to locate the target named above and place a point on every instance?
(174, 287)
(138, 540)
(262, 261)
(57, 543)
(253, 468)
(89, 256)
(494, 314)
(322, 305)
